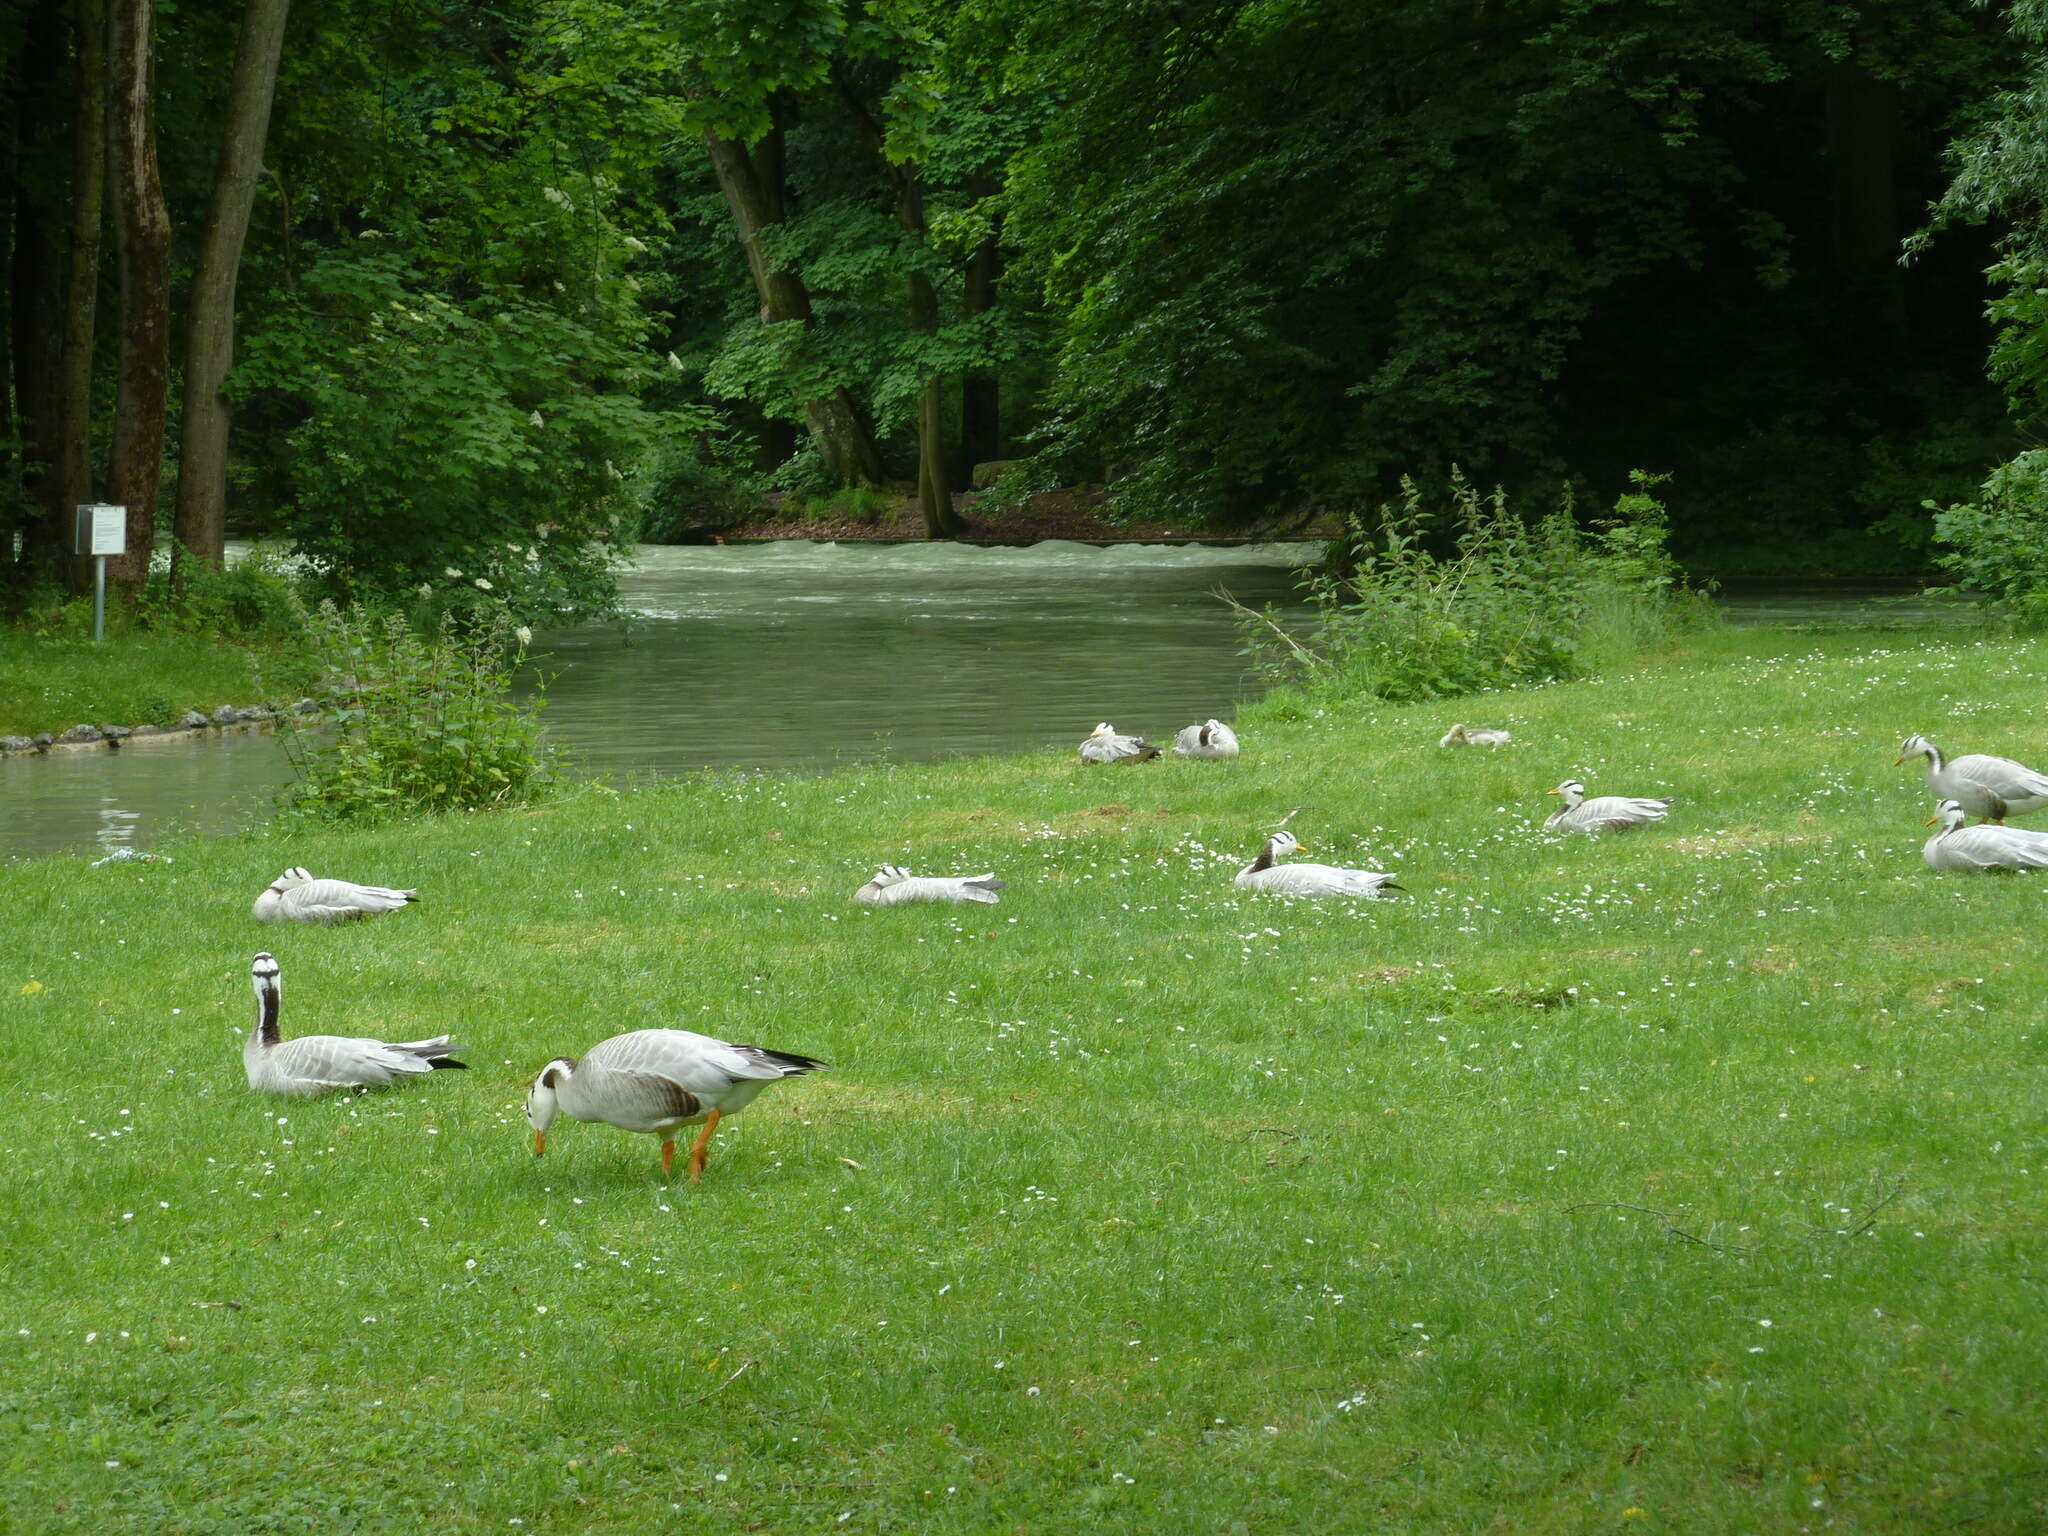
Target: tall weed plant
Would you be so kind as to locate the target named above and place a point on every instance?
(425, 719)
(1428, 603)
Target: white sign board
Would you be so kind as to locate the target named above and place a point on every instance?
(102, 530)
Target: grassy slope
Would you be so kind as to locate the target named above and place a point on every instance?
(1175, 1210)
(50, 683)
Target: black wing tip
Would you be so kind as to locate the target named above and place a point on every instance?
(792, 1064)
(442, 1063)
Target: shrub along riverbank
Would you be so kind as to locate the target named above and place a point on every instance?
(1689, 1180)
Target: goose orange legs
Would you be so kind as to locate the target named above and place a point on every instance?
(703, 1144)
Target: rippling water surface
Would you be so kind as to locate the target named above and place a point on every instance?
(786, 655)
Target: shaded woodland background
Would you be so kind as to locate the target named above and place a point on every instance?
(432, 288)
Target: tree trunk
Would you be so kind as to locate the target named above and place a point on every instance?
(142, 227)
(981, 431)
(752, 184)
(81, 308)
(934, 489)
(200, 529)
(37, 287)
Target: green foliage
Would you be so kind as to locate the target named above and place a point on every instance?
(692, 486)
(423, 721)
(1998, 544)
(1432, 604)
(253, 598)
(441, 441)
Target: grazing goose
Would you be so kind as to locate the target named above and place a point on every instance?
(1104, 745)
(1212, 738)
(1473, 736)
(655, 1081)
(894, 885)
(1266, 874)
(1991, 787)
(1609, 813)
(1984, 849)
(296, 897)
(316, 1064)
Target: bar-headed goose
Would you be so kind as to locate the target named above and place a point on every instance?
(1991, 787)
(1104, 745)
(894, 885)
(1607, 813)
(1212, 738)
(1266, 874)
(1473, 736)
(317, 1064)
(1981, 848)
(296, 897)
(654, 1082)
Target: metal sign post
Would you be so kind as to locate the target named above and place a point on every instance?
(102, 531)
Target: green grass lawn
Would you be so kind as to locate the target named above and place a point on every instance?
(1690, 1181)
(53, 682)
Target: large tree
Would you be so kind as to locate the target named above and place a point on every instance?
(200, 528)
(142, 224)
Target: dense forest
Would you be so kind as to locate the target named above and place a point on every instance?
(443, 291)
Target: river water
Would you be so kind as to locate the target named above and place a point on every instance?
(784, 655)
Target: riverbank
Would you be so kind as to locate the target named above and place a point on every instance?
(1593, 1183)
(1078, 513)
(143, 681)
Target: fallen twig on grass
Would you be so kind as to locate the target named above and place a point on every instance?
(1671, 1229)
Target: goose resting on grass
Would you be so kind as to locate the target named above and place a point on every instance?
(654, 1082)
(1991, 787)
(1212, 738)
(317, 1064)
(1982, 849)
(1608, 813)
(894, 885)
(1265, 874)
(1104, 745)
(1473, 736)
(296, 897)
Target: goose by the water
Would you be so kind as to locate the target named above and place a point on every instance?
(1607, 813)
(1266, 873)
(1105, 745)
(316, 1064)
(1991, 787)
(894, 885)
(1212, 738)
(1473, 736)
(296, 897)
(1982, 849)
(654, 1082)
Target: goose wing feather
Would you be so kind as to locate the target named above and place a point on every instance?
(322, 1063)
(2007, 780)
(333, 901)
(1988, 848)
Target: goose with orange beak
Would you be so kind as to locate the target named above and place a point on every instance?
(1991, 787)
(1604, 813)
(654, 1082)
(1266, 873)
(1986, 849)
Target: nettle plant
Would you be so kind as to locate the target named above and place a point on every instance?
(1426, 604)
(423, 721)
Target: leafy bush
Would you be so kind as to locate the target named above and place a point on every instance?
(690, 488)
(425, 721)
(422, 440)
(252, 599)
(1426, 607)
(1998, 544)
